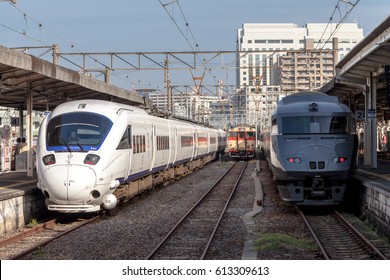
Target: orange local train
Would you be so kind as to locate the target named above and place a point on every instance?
(242, 142)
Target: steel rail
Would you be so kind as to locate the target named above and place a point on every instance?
(177, 225)
(323, 251)
(222, 213)
(33, 248)
(360, 236)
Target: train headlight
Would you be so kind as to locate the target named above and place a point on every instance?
(294, 160)
(91, 159)
(49, 159)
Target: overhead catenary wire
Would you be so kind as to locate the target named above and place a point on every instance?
(201, 59)
(338, 26)
(41, 27)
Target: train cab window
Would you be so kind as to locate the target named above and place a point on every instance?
(314, 125)
(75, 130)
(125, 142)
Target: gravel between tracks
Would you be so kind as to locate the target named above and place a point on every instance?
(140, 224)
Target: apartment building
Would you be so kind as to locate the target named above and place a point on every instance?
(276, 59)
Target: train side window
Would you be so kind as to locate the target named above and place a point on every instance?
(162, 143)
(274, 128)
(125, 142)
(338, 125)
(186, 141)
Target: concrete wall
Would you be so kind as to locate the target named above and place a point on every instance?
(375, 206)
(17, 210)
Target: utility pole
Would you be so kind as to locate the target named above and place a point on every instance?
(167, 85)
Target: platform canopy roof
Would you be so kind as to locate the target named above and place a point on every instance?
(51, 84)
(368, 57)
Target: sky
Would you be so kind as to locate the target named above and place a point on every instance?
(163, 25)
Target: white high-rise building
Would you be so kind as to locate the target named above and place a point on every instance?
(259, 71)
(187, 105)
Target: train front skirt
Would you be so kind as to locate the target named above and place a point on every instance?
(313, 191)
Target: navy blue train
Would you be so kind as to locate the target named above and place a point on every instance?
(311, 147)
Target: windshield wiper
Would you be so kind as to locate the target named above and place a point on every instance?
(67, 146)
(81, 148)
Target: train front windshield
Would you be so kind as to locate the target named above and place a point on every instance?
(77, 131)
(316, 125)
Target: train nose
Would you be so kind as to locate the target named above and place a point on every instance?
(323, 158)
(69, 184)
(316, 157)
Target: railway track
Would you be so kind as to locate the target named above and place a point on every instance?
(338, 239)
(191, 237)
(30, 239)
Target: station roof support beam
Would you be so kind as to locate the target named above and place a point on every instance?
(52, 84)
(357, 75)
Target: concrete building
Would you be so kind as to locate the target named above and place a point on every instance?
(279, 58)
(196, 107)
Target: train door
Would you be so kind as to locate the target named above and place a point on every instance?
(241, 141)
(170, 155)
(196, 144)
(153, 147)
(174, 145)
(128, 151)
(208, 143)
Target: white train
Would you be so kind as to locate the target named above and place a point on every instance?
(93, 154)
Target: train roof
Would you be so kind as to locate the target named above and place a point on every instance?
(242, 128)
(312, 102)
(111, 109)
(94, 105)
(307, 97)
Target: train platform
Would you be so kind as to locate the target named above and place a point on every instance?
(20, 200)
(379, 176)
(13, 183)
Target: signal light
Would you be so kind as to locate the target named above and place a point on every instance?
(91, 159)
(294, 160)
(49, 159)
(339, 159)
